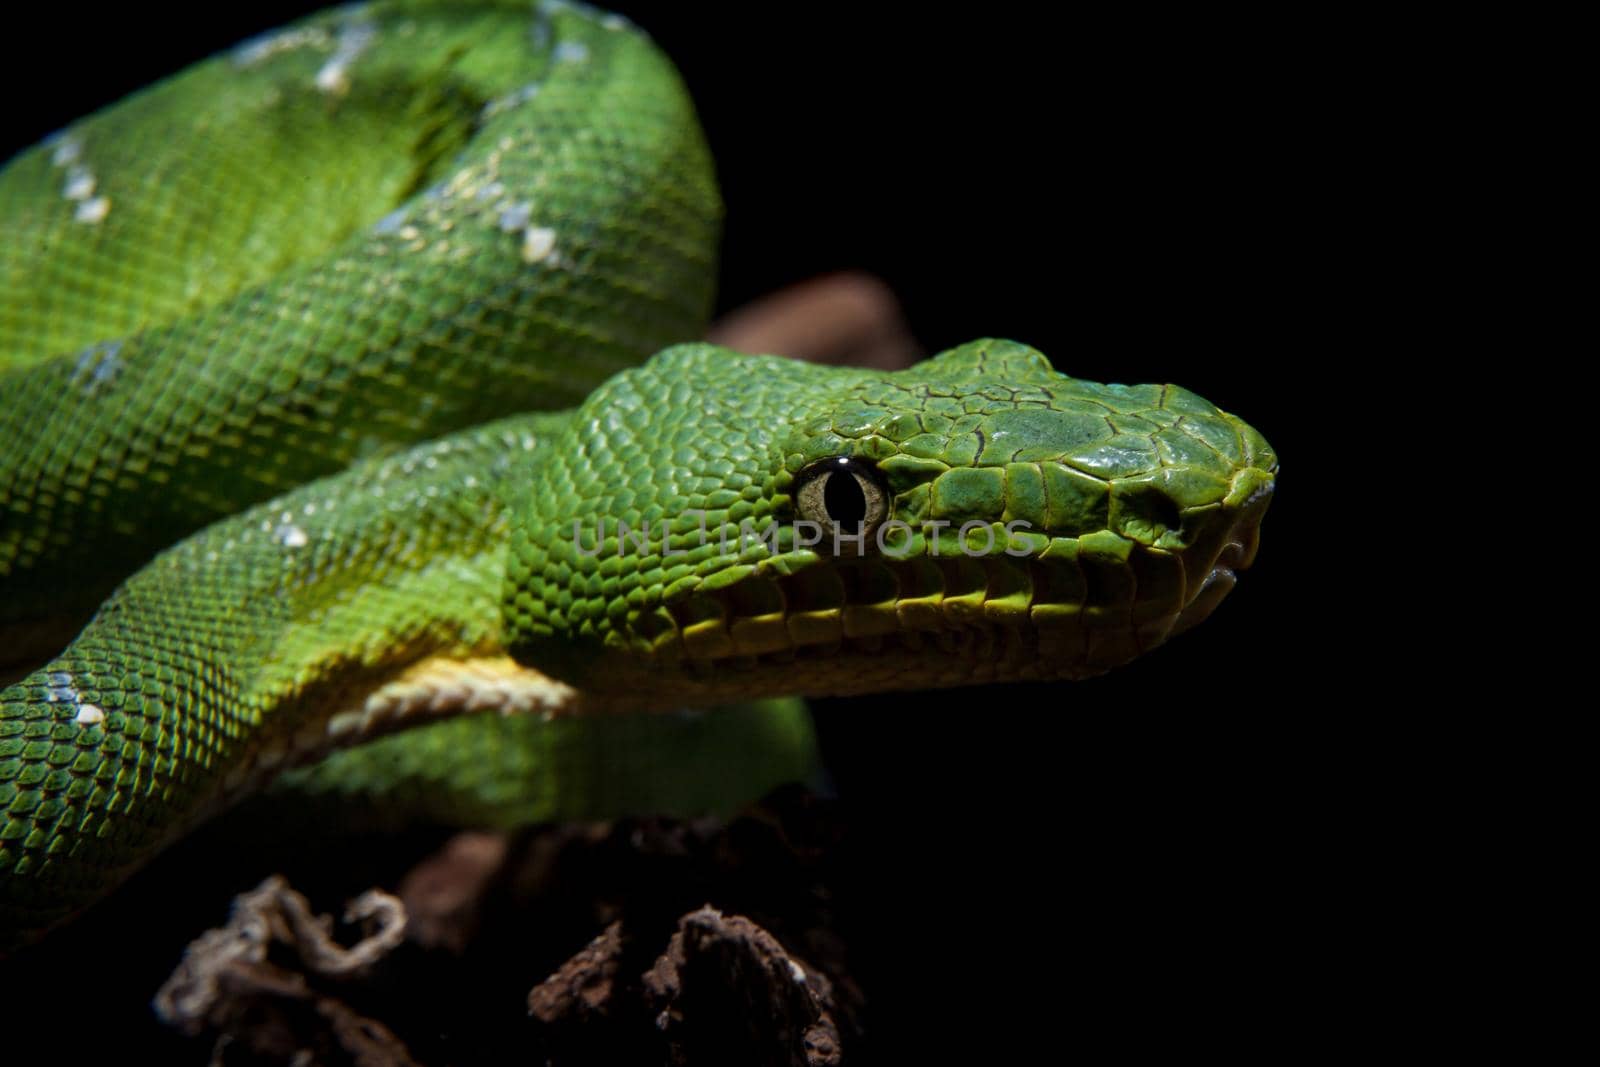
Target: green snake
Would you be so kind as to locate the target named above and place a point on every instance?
(235, 302)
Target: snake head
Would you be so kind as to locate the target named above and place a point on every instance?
(715, 526)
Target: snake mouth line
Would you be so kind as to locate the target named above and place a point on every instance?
(1029, 617)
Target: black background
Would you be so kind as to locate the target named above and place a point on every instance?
(1155, 856)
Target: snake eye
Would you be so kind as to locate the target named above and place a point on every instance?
(842, 495)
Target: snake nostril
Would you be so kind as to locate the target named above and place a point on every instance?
(1164, 512)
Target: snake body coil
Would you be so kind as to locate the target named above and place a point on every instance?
(404, 220)
(382, 224)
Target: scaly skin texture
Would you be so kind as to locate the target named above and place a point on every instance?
(404, 589)
(1084, 523)
(266, 639)
(505, 205)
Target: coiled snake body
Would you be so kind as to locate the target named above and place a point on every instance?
(232, 303)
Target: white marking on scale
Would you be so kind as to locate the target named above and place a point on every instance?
(355, 37)
(259, 49)
(97, 365)
(571, 52)
(390, 223)
(80, 183)
(90, 715)
(289, 536)
(93, 211)
(537, 243)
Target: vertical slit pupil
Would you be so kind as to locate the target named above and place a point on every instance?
(846, 503)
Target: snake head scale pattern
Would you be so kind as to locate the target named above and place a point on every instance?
(716, 527)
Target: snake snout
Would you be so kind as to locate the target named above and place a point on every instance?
(1247, 500)
(1242, 512)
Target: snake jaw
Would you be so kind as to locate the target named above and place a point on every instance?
(828, 626)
